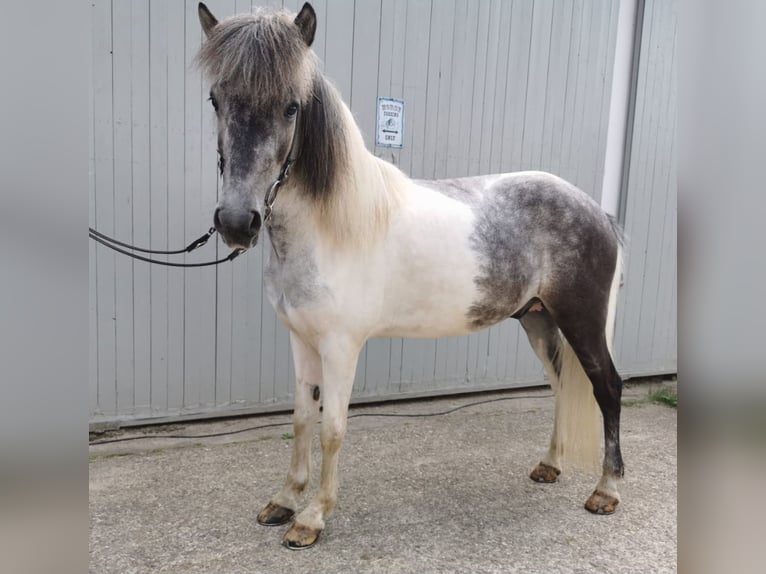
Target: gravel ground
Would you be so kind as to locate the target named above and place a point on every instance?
(437, 494)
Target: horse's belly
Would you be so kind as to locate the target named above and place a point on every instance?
(431, 281)
(428, 321)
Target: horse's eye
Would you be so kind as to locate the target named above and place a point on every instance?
(291, 110)
(214, 102)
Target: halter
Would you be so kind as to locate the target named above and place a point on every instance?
(271, 197)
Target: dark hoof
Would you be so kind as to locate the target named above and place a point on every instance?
(300, 537)
(600, 503)
(545, 473)
(274, 515)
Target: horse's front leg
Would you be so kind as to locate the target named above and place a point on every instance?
(308, 381)
(339, 359)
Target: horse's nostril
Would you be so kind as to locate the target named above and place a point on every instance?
(217, 218)
(255, 222)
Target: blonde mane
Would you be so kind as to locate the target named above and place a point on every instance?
(367, 190)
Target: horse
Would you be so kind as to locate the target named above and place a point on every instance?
(360, 250)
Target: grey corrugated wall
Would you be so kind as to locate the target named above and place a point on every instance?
(646, 337)
(490, 86)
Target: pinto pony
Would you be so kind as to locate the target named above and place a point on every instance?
(360, 251)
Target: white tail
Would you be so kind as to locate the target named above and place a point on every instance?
(577, 430)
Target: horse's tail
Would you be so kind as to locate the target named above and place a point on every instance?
(577, 432)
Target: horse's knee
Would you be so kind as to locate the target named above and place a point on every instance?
(332, 435)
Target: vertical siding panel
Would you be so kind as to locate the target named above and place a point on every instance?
(364, 76)
(415, 81)
(158, 176)
(663, 350)
(577, 88)
(658, 175)
(503, 86)
(123, 208)
(648, 306)
(203, 298)
(518, 78)
(141, 216)
(567, 168)
(339, 53)
(480, 88)
(589, 165)
(194, 367)
(447, 24)
(464, 85)
(200, 192)
(556, 88)
(435, 33)
(638, 198)
(462, 76)
(104, 205)
(176, 234)
(533, 119)
(320, 38)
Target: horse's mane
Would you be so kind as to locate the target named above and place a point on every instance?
(263, 57)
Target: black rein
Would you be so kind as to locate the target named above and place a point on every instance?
(269, 200)
(112, 243)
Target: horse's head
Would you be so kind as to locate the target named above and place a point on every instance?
(261, 68)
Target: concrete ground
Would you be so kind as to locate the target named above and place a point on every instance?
(418, 495)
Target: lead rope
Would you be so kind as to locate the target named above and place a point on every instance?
(112, 243)
(269, 200)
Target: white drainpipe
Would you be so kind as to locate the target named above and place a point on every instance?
(619, 106)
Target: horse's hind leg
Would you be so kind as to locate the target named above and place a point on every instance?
(546, 341)
(585, 333)
(308, 380)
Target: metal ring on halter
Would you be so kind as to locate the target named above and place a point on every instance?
(269, 200)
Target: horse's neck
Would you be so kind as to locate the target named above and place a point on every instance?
(290, 228)
(356, 213)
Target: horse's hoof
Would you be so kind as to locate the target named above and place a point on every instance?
(274, 515)
(544, 473)
(300, 537)
(601, 503)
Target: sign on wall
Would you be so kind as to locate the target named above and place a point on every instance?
(390, 132)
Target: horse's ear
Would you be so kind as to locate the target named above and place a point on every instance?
(206, 19)
(306, 20)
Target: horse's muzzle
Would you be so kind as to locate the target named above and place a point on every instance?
(239, 228)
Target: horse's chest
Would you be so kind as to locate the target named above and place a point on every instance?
(291, 285)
